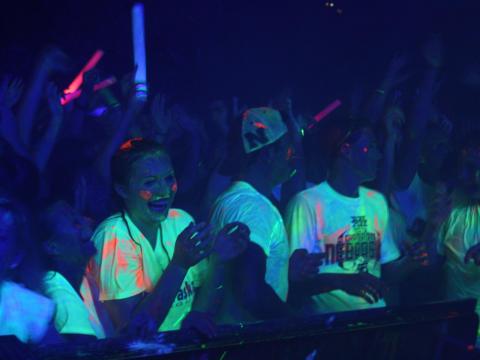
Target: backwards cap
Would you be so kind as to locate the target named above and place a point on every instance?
(261, 127)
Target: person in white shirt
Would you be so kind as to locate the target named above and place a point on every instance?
(149, 260)
(459, 236)
(65, 238)
(261, 153)
(347, 224)
(23, 313)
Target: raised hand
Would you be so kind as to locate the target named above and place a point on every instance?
(193, 245)
(232, 241)
(54, 60)
(10, 91)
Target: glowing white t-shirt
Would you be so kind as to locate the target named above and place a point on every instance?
(24, 313)
(125, 267)
(459, 233)
(71, 315)
(353, 234)
(241, 202)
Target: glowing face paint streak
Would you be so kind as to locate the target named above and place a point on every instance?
(145, 195)
(75, 85)
(127, 145)
(174, 187)
(325, 112)
(290, 153)
(99, 86)
(260, 125)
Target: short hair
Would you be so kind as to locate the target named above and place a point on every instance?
(349, 133)
(130, 152)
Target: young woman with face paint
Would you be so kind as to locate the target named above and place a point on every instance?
(148, 265)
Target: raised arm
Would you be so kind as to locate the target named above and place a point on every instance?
(43, 149)
(392, 78)
(422, 111)
(51, 60)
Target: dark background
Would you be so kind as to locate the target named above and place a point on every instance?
(214, 48)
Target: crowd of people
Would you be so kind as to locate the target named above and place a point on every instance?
(122, 216)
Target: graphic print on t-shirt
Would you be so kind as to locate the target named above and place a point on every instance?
(353, 246)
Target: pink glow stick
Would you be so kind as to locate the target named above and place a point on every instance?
(99, 86)
(325, 112)
(77, 82)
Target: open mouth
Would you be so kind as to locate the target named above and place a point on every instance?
(159, 206)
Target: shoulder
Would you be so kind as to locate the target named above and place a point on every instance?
(178, 218)
(112, 224)
(315, 194)
(373, 196)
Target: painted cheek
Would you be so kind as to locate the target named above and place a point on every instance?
(145, 195)
(174, 187)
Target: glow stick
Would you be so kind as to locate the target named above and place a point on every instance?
(138, 37)
(99, 86)
(325, 112)
(77, 82)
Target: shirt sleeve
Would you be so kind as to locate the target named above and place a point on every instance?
(117, 264)
(71, 315)
(302, 227)
(252, 212)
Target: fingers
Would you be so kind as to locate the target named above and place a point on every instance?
(473, 254)
(373, 288)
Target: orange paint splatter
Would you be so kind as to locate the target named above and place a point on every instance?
(260, 125)
(145, 195)
(174, 214)
(290, 153)
(127, 145)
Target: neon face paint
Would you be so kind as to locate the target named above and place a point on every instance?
(145, 195)
(290, 153)
(259, 125)
(127, 145)
(365, 149)
(174, 187)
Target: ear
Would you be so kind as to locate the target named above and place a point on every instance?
(50, 247)
(121, 190)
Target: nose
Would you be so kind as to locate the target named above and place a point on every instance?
(162, 188)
